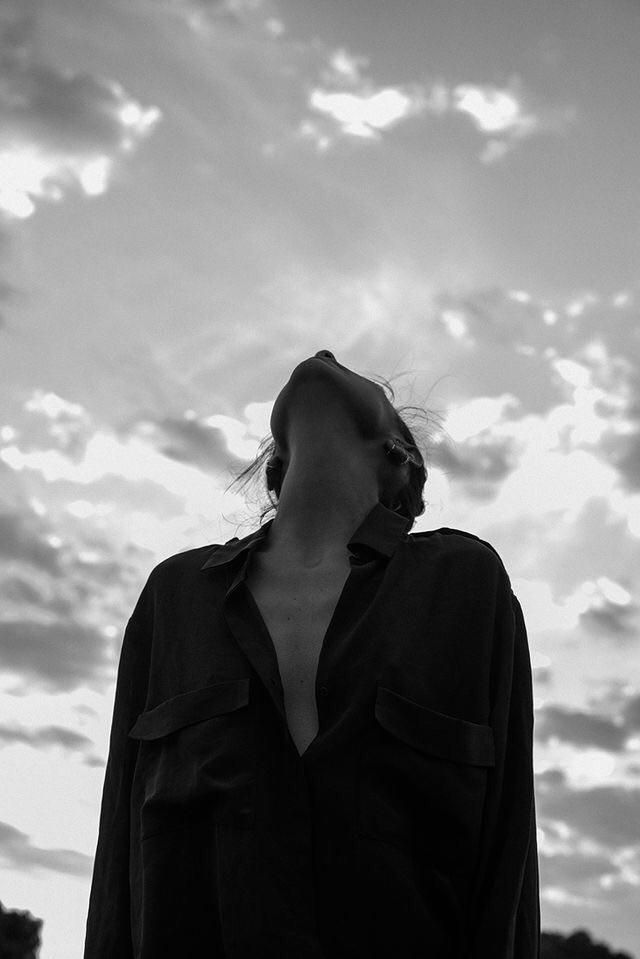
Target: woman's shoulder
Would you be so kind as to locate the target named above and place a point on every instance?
(201, 557)
(456, 542)
(188, 560)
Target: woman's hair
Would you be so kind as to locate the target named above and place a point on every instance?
(409, 501)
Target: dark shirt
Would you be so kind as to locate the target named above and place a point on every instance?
(406, 829)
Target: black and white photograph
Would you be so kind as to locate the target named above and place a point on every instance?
(319, 479)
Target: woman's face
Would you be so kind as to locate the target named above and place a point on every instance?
(319, 383)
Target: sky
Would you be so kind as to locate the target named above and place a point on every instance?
(194, 197)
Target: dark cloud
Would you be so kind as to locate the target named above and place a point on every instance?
(80, 111)
(18, 590)
(581, 728)
(71, 119)
(17, 852)
(57, 657)
(601, 822)
(631, 713)
(29, 591)
(95, 761)
(44, 737)
(612, 618)
(623, 452)
(22, 538)
(481, 463)
(573, 869)
(550, 779)
(614, 696)
(606, 814)
(542, 674)
(45, 593)
(190, 441)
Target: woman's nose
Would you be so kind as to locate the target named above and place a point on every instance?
(326, 353)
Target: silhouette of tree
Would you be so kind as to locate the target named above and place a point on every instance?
(19, 934)
(577, 945)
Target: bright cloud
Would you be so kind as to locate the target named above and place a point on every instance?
(184, 462)
(52, 406)
(478, 414)
(543, 610)
(346, 66)
(359, 108)
(455, 324)
(32, 170)
(242, 437)
(59, 129)
(492, 110)
(365, 115)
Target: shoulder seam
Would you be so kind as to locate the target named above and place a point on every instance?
(459, 532)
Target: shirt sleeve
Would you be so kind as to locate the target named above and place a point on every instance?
(505, 914)
(108, 928)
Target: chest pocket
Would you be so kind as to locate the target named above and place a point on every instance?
(196, 759)
(423, 777)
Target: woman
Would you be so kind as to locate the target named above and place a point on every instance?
(322, 734)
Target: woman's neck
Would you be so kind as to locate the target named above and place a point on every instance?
(325, 495)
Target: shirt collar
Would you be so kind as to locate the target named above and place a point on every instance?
(381, 530)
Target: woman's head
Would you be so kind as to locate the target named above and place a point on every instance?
(321, 394)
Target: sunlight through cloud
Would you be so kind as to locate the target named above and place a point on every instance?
(40, 158)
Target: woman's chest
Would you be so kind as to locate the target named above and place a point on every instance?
(297, 610)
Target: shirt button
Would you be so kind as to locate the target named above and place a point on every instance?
(324, 691)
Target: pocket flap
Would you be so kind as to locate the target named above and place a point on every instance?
(439, 734)
(191, 707)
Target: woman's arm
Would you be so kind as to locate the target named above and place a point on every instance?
(505, 918)
(108, 931)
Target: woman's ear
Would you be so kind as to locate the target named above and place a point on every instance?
(274, 474)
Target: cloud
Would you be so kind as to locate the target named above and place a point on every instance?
(491, 109)
(607, 606)
(345, 103)
(72, 570)
(631, 713)
(58, 129)
(579, 727)
(21, 538)
(45, 737)
(466, 450)
(146, 448)
(57, 656)
(63, 604)
(625, 454)
(480, 413)
(207, 18)
(574, 366)
(587, 842)
(611, 618)
(575, 869)
(480, 463)
(191, 440)
(498, 113)
(17, 852)
(366, 114)
(603, 814)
